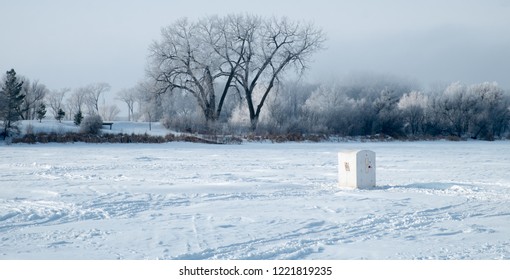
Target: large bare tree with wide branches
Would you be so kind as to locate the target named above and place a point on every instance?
(244, 53)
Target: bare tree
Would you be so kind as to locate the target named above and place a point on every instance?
(149, 103)
(181, 60)
(181, 113)
(272, 46)
(222, 35)
(245, 52)
(128, 96)
(34, 95)
(93, 95)
(77, 101)
(109, 112)
(149, 108)
(55, 100)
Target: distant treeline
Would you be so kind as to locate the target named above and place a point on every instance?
(365, 106)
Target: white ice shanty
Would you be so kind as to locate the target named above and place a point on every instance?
(356, 169)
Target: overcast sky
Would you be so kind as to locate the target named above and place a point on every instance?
(74, 43)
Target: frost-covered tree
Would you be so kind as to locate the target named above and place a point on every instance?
(150, 108)
(455, 107)
(325, 109)
(12, 99)
(285, 112)
(269, 47)
(181, 113)
(182, 60)
(128, 96)
(93, 93)
(244, 52)
(413, 106)
(109, 112)
(478, 111)
(490, 112)
(77, 101)
(359, 105)
(388, 119)
(35, 93)
(55, 100)
(91, 124)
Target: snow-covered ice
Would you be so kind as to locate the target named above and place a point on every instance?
(434, 200)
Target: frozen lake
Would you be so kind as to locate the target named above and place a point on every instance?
(434, 200)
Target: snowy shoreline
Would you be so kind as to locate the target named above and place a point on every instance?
(123, 132)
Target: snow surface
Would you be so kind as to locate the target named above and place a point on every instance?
(435, 200)
(50, 126)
